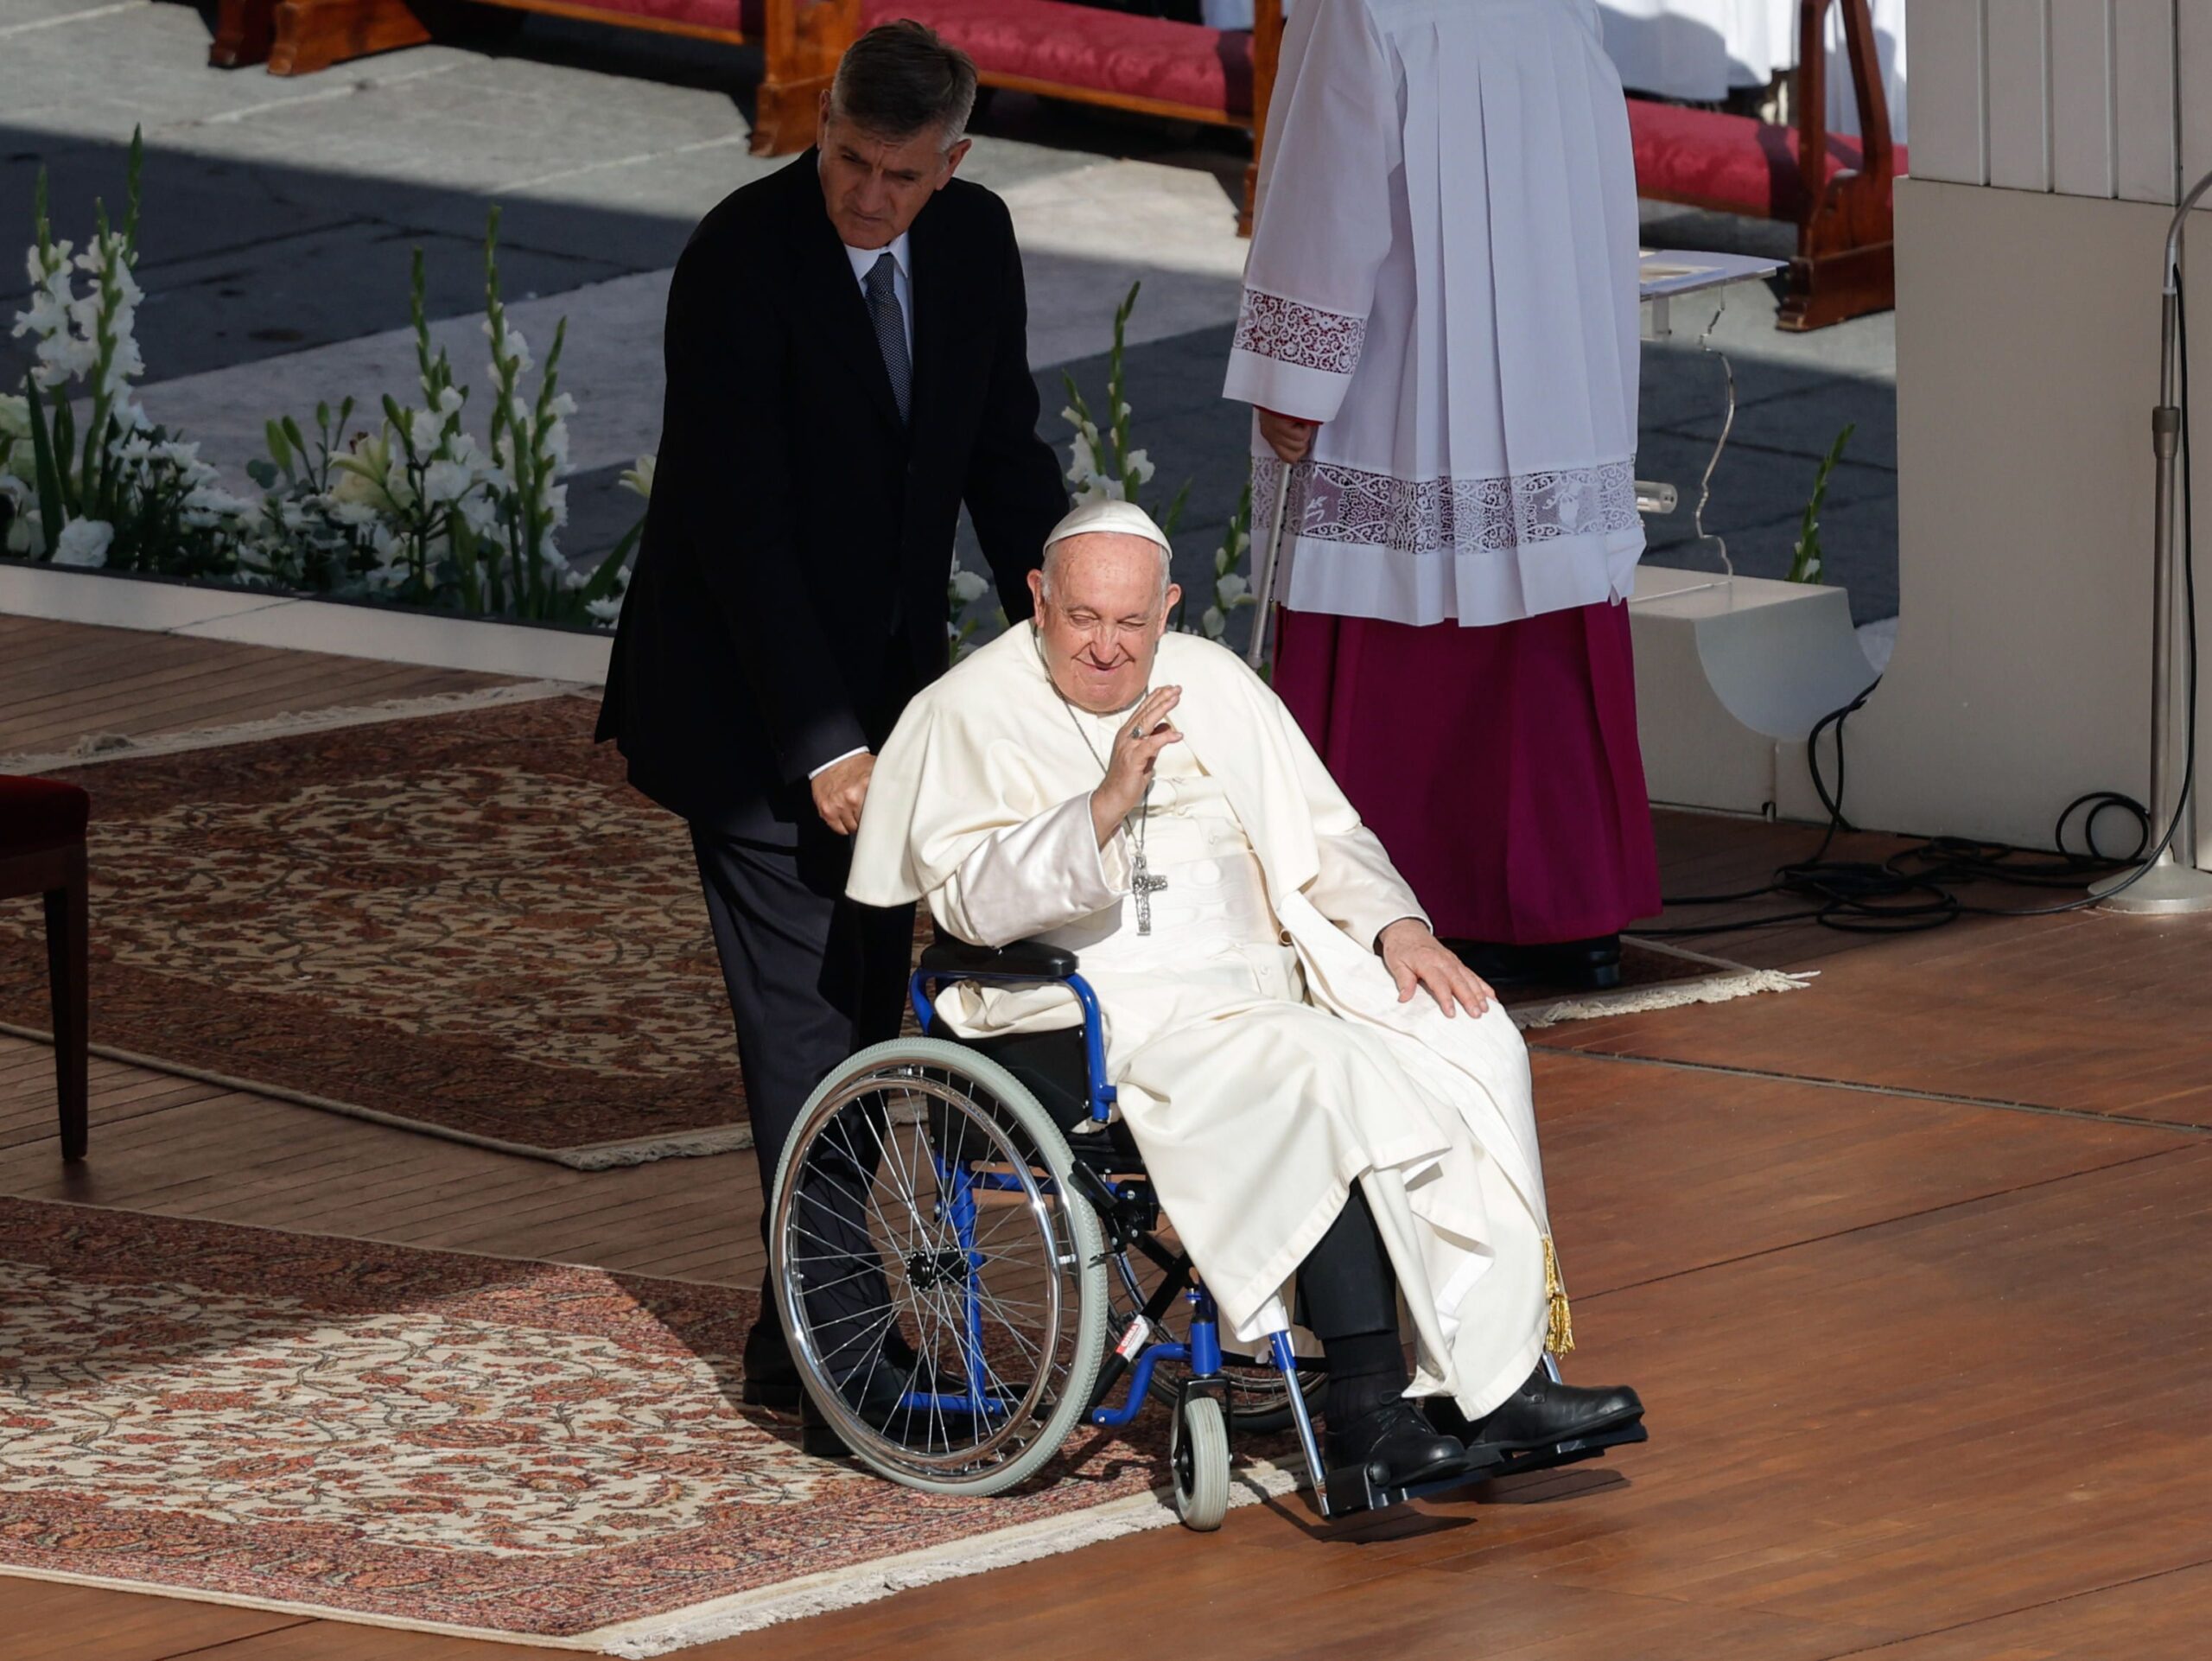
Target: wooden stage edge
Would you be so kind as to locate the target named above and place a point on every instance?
(1910, 1267)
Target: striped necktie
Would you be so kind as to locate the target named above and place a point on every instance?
(891, 330)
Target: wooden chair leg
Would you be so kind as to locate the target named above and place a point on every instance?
(68, 958)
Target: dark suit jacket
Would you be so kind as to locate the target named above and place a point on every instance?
(789, 595)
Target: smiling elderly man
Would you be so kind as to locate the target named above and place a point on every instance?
(1319, 1088)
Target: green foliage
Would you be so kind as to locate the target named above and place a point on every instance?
(1806, 564)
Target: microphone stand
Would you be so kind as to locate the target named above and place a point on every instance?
(2170, 884)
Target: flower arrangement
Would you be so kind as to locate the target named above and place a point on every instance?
(418, 513)
(120, 491)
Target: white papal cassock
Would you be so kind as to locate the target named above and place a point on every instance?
(1263, 1060)
(1442, 273)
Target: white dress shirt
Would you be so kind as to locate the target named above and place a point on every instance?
(902, 290)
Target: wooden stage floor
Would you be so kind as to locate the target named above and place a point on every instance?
(1911, 1267)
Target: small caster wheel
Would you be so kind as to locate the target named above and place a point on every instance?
(1198, 1449)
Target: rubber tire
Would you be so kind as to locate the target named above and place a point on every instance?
(1166, 1389)
(1090, 1244)
(1200, 1439)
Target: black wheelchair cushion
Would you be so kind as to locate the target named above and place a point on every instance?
(1050, 1067)
(1032, 958)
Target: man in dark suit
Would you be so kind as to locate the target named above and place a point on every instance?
(847, 363)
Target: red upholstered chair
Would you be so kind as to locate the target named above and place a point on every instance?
(43, 852)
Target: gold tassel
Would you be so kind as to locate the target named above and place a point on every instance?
(1559, 1331)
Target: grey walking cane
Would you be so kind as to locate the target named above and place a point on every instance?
(1263, 591)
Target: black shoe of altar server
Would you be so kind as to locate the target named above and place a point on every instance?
(1398, 1446)
(771, 1375)
(1593, 964)
(1542, 1414)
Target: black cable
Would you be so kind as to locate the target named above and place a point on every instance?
(1913, 889)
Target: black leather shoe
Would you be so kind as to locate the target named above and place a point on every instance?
(1542, 1414)
(1396, 1446)
(1593, 964)
(1499, 964)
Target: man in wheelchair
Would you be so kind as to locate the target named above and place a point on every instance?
(1324, 1095)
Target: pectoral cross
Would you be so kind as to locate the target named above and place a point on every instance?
(1144, 885)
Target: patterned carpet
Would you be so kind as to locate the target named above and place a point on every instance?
(450, 1442)
(467, 924)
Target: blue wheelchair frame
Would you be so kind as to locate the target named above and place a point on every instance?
(1202, 1353)
(1338, 1492)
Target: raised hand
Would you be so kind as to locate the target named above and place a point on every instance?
(1137, 744)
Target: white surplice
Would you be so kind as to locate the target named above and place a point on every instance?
(1444, 273)
(1263, 1060)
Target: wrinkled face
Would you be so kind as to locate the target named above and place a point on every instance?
(1101, 623)
(874, 187)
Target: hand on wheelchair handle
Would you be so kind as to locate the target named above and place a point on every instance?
(839, 792)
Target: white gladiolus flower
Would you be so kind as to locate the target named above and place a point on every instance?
(1231, 588)
(21, 529)
(605, 611)
(449, 401)
(424, 429)
(1213, 622)
(968, 588)
(445, 482)
(349, 513)
(84, 542)
(1084, 462)
(640, 477)
(1140, 464)
(15, 416)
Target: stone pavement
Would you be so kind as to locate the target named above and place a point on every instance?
(280, 215)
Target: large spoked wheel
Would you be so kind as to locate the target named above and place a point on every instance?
(1199, 1451)
(943, 1283)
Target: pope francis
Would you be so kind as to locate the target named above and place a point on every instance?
(1324, 1094)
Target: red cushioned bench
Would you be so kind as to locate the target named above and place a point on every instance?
(1152, 66)
(1704, 158)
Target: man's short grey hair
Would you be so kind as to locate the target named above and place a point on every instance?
(1055, 557)
(900, 79)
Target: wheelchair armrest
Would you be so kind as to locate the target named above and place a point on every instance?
(1030, 958)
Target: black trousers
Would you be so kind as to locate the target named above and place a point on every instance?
(1346, 1288)
(811, 978)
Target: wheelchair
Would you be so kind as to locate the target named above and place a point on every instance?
(969, 1262)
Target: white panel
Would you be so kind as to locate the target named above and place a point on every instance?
(1949, 127)
(2142, 96)
(2017, 32)
(2194, 34)
(2081, 144)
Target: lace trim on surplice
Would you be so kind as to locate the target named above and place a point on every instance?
(1334, 503)
(1303, 336)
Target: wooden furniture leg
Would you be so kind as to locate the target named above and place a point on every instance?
(68, 960)
(1846, 264)
(312, 34)
(1267, 53)
(243, 30)
(805, 40)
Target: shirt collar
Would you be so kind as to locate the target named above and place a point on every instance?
(864, 258)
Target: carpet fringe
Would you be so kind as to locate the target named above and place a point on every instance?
(95, 748)
(845, 1588)
(1714, 988)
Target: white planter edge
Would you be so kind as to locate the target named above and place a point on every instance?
(386, 634)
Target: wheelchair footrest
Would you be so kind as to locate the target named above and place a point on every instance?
(1567, 1453)
(1351, 1488)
